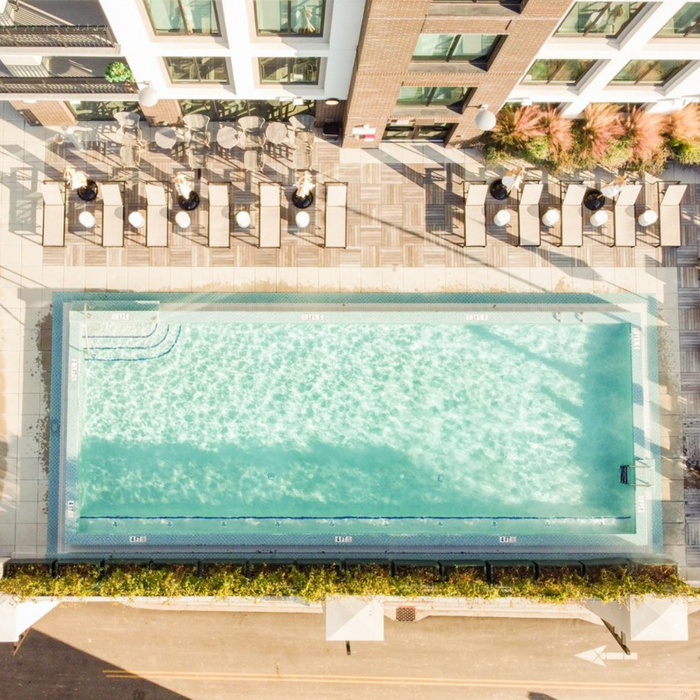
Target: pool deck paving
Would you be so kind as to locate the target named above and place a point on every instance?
(405, 233)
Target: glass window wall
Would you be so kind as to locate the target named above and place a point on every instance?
(565, 71)
(685, 23)
(300, 71)
(648, 72)
(290, 17)
(598, 18)
(473, 48)
(452, 97)
(197, 69)
(183, 16)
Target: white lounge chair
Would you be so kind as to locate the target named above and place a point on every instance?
(529, 214)
(623, 214)
(572, 216)
(156, 216)
(475, 214)
(336, 215)
(270, 216)
(112, 215)
(54, 226)
(219, 217)
(670, 215)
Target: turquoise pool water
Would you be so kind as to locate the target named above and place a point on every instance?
(352, 423)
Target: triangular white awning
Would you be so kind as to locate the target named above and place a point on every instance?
(647, 619)
(353, 619)
(17, 616)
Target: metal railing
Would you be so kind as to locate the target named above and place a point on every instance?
(58, 36)
(56, 86)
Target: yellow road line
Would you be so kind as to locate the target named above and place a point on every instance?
(397, 680)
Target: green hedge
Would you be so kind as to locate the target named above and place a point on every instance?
(314, 583)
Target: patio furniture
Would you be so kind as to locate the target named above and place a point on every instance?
(270, 216)
(130, 154)
(86, 219)
(647, 218)
(475, 214)
(276, 132)
(136, 219)
(182, 219)
(252, 132)
(550, 218)
(594, 199)
(197, 140)
(336, 215)
(529, 214)
(112, 215)
(670, 214)
(302, 122)
(572, 216)
(156, 215)
(502, 218)
(227, 137)
(219, 217)
(623, 215)
(165, 138)
(129, 129)
(243, 219)
(599, 218)
(302, 219)
(54, 224)
(253, 160)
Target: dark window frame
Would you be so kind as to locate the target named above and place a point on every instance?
(196, 60)
(184, 32)
(289, 23)
(479, 62)
(587, 32)
(552, 80)
(468, 91)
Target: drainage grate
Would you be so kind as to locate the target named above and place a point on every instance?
(405, 614)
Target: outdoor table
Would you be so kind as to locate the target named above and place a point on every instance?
(302, 219)
(136, 219)
(599, 218)
(243, 219)
(276, 132)
(227, 137)
(86, 219)
(182, 219)
(594, 200)
(165, 138)
(502, 217)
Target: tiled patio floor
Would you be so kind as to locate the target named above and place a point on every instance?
(405, 229)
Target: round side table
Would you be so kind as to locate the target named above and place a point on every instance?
(86, 219)
(243, 219)
(550, 217)
(165, 138)
(276, 132)
(599, 218)
(182, 219)
(136, 219)
(302, 219)
(647, 218)
(227, 137)
(502, 217)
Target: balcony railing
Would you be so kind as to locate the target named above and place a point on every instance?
(63, 36)
(57, 86)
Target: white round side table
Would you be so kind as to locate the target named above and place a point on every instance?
(302, 219)
(136, 219)
(599, 218)
(551, 217)
(86, 219)
(243, 219)
(182, 219)
(502, 217)
(647, 218)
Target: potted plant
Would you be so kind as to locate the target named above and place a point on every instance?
(303, 195)
(118, 72)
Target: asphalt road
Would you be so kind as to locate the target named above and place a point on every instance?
(113, 652)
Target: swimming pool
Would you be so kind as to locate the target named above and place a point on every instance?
(359, 422)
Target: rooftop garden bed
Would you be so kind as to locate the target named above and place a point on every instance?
(604, 135)
(316, 582)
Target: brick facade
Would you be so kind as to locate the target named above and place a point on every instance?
(389, 35)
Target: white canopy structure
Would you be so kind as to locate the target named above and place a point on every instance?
(17, 616)
(353, 619)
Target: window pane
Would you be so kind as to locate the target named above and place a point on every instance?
(648, 72)
(395, 132)
(272, 16)
(182, 69)
(183, 16)
(273, 70)
(414, 95)
(474, 47)
(304, 70)
(606, 18)
(557, 71)
(290, 70)
(686, 21)
(290, 16)
(435, 46)
(213, 69)
(449, 96)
